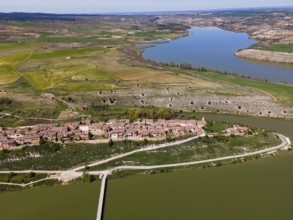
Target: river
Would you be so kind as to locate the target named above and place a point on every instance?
(214, 48)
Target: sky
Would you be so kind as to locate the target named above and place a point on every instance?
(111, 6)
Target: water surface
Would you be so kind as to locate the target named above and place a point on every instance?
(255, 190)
(73, 202)
(214, 48)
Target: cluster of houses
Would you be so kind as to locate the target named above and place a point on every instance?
(238, 130)
(86, 130)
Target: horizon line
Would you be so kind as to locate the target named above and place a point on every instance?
(155, 12)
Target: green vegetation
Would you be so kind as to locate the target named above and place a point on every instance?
(216, 127)
(21, 178)
(53, 156)
(86, 178)
(66, 53)
(80, 39)
(27, 113)
(107, 112)
(5, 46)
(75, 202)
(70, 69)
(154, 35)
(200, 149)
(6, 188)
(8, 74)
(280, 48)
(22, 23)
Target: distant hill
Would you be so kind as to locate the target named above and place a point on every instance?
(23, 16)
(19, 16)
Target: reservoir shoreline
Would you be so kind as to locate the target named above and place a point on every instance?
(215, 48)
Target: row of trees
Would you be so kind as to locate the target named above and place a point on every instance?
(138, 113)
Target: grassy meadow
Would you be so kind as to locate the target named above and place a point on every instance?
(288, 48)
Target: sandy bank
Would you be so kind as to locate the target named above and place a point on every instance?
(261, 55)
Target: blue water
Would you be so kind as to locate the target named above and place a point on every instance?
(214, 48)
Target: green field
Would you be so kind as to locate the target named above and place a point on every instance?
(258, 189)
(65, 53)
(8, 72)
(69, 69)
(280, 48)
(74, 202)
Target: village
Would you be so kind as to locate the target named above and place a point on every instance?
(86, 130)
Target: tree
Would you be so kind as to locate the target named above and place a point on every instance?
(110, 143)
(145, 141)
(186, 66)
(32, 175)
(91, 136)
(87, 178)
(54, 147)
(10, 175)
(43, 142)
